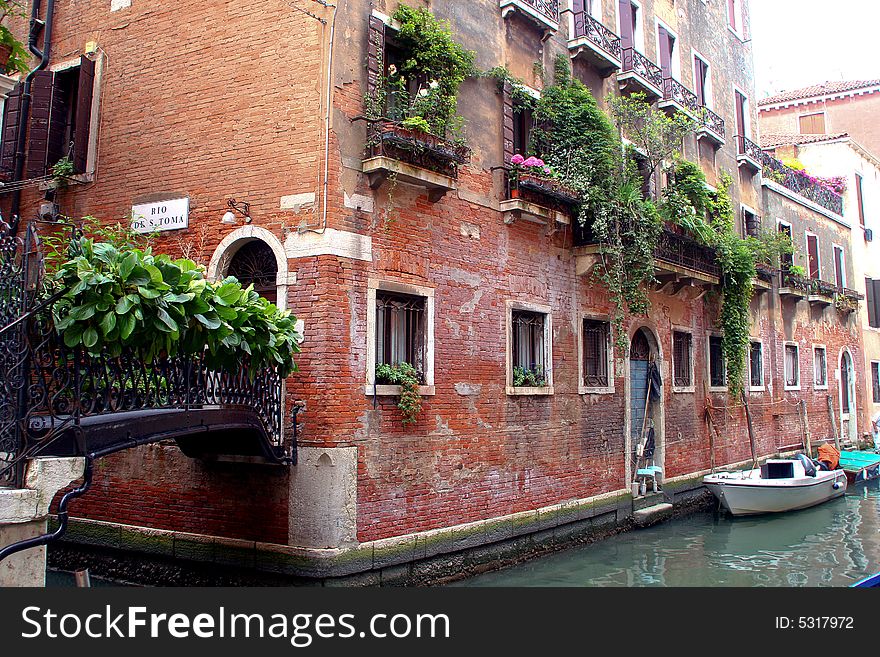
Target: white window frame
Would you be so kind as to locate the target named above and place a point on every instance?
(708, 91)
(639, 36)
(763, 386)
(547, 311)
(749, 208)
(675, 55)
(797, 347)
(693, 386)
(807, 234)
(374, 286)
(817, 386)
(724, 388)
(593, 390)
(842, 264)
(739, 29)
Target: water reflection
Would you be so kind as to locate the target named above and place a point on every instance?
(833, 544)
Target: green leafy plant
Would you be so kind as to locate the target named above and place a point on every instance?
(19, 57)
(797, 270)
(128, 298)
(524, 377)
(405, 376)
(62, 171)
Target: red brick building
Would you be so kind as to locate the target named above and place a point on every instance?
(210, 103)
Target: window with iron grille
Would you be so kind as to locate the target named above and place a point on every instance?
(756, 365)
(400, 330)
(682, 350)
(792, 366)
(717, 366)
(596, 353)
(875, 381)
(528, 341)
(820, 367)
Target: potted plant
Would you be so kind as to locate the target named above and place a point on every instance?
(14, 56)
(533, 174)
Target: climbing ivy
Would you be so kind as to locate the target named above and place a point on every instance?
(405, 376)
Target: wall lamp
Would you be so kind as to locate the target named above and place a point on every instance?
(244, 209)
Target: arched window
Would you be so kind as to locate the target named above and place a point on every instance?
(255, 264)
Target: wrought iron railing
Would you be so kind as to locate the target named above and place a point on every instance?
(685, 252)
(547, 8)
(748, 148)
(47, 388)
(635, 62)
(802, 184)
(587, 27)
(675, 91)
(765, 272)
(822, 288)
(712, 122)
(421, 149)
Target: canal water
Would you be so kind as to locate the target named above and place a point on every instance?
(834, 544)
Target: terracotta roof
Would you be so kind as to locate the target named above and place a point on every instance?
(818, 90)
(774, 140)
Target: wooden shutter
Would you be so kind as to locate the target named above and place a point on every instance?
(872, 306)
(375, 53)
(627, 29)
(700, 75)
(812, 124)
(9, 142)
(875, 316)
(740, 115)
(731, 13)
(666, 42)
(508, 121)
(83, 116)
(813, 253)
(840, 280)
(38, 134)
(860, 199)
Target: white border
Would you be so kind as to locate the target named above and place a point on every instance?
(763, 386)
(724, 388)
(817, 386)
(583, 389)
(785, 385)
(692, 387)
(547, 311)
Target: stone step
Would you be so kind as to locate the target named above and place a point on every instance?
(651, 499)
(652, 514)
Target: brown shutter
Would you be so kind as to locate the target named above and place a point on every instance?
(626, 24)
(731, 13)
(859, 197)
(875, 316)
(375, 53)
(83, 116)
(38, 134)
(813, 253)
(666, 42)
(507, 128)
(11, 115)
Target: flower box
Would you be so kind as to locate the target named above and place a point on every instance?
(419, 148)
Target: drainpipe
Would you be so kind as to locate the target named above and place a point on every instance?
(63, 516)
(24, 112)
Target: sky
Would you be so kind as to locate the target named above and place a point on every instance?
(797, 43)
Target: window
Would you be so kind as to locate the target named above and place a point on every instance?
(703, 81)
(743, 116)
(756, 365)
(529, 349)
(861, 199)
(872, 295)
(596, 354)
(812, 124)
(631, 31)
(751, 223)
(717, 366)
(875, 380)
(400, 329)
(735, 16)
(813, 256)
(682, 359)
(820, 367)
(523, 122)
(786, 260)
(839, 268)
(792, 367)
(62, 119)
(667, 46)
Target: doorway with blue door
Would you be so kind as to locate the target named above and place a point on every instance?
(645, 409)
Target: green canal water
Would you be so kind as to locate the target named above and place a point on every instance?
(834, 544)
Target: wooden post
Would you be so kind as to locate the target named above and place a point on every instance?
(82, 579)
(712, 435)
(833, 422)
(745, 402)
(802, 406)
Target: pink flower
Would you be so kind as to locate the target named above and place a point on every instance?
(517, 159)
(532, 162)
(547, 170)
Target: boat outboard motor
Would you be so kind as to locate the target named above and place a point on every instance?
(809, 466)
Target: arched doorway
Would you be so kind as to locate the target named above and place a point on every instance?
(848, 421)
(254, 264)
(645, 399)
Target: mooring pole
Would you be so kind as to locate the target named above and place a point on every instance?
(833, 422)
(745, 402)
(802, 406)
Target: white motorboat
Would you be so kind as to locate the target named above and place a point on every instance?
(778, 485)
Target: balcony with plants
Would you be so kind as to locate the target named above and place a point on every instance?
(415, 134)
(748, 154)
(791, 174)
(847, 301)
(543, 13)
(822, 293)
(536, 192)
(794, 282)
(590, 39)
